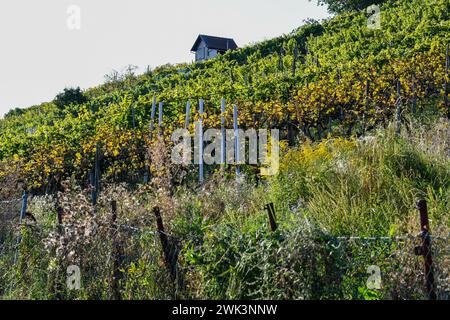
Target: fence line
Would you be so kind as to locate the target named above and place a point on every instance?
(125, 237)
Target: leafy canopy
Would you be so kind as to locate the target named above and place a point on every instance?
(341, 6)
(70, 96)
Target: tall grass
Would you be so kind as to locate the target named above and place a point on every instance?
(336, 188)
(369, 186)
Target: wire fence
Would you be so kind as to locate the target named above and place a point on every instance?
(118, 259)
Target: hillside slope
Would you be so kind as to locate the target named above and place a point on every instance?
(341, 206)
(364, 121)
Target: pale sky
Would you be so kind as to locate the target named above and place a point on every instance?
(40, 55)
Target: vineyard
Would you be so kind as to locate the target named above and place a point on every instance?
(364, 121)
(340, 76)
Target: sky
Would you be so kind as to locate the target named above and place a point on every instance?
(48, 45)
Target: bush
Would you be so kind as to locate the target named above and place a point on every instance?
(70, 96)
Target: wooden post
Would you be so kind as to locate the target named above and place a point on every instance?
(97, 168)
(160, 117)
(188, 113)
(446, 90)
(224, 135)
(133, 117)
(152, 127)
(54, 282)
(399, 108)
(237, 155)
(23, 212)
(414, 98)
(319, 131)
(280, 61)
(306, 53)
(115, 253)
(201, 177)
(294, 60)
(425, 249)
(147, 169)
(290, 133)
(166, 247)
(152, 119)
(272, 216)
(92, 180)
(59, 211)
(95, 175)
(330, 125)
(366, 104)
(341, 110)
